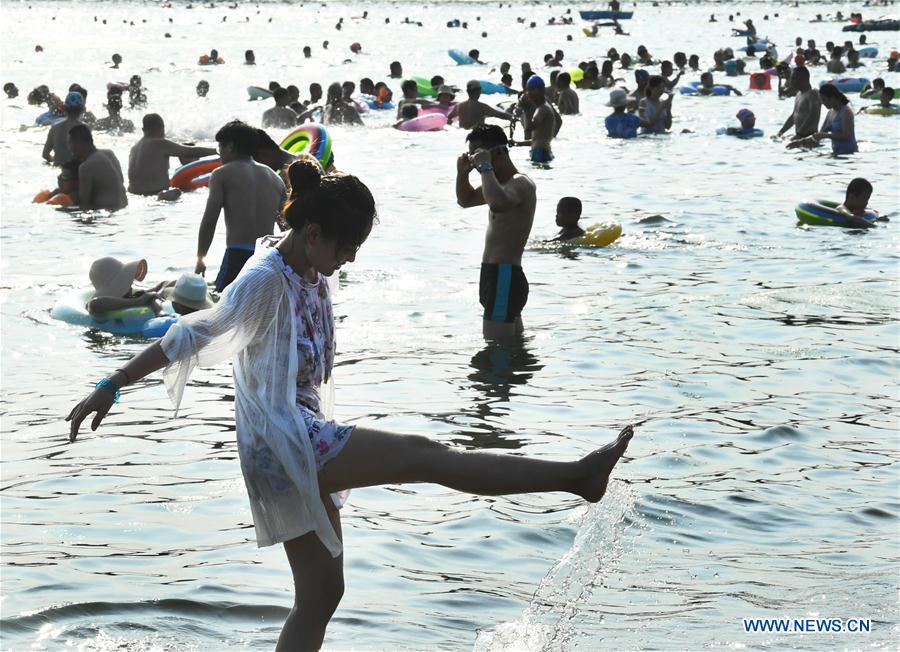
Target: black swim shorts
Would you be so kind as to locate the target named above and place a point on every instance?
(502, 291)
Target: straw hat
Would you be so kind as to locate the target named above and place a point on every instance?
(112, 278)
(190, 290)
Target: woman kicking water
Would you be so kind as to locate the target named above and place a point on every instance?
(276, 323)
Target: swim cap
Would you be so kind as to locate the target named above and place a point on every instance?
(745, 116)
(535, 83)
(74, 100)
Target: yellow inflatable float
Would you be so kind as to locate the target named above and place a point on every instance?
(598, 235)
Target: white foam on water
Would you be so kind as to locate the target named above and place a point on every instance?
(606, 531)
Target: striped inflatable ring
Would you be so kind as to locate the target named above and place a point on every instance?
(310, 138)
(825, 213)
(187, 176)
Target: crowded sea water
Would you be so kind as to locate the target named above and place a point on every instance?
(639, 333)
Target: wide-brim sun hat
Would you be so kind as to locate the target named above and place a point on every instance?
(113, 278)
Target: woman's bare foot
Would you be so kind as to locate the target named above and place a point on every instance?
(598, 466)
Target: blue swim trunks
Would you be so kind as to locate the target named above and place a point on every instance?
(541, 155)
(233, 262)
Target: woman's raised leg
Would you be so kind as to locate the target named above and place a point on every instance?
(318, 588)
(373, 457)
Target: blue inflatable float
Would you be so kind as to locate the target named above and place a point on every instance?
(461, 57)
(743, 133)
(693, 88)
(847, 84)
(490, 88)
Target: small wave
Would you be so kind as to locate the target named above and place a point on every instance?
(70, 613)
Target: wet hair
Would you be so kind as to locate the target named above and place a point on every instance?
(395, 65)
(340, 204)
(569, 206)
(334, 93)
(293, 91)
(79, 89)
(859, 186)
(348, 86)
(81, 133)
(264, 141)
(830, 90)
(153, 122)
(273, 85)
(241, 136)
(564, 78)
(408, 85)
(887, 90)
(409, 111)
(654, 81)
(280, 94)
(437, 81)
(878, 82)
(488, 136)
(801, 73)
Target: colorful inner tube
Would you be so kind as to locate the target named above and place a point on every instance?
(310, 138)
(127, 321)
(891, 109)
(848, 84)
(187, 177)
(824, 213)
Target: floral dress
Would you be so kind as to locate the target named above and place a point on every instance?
(315, 359)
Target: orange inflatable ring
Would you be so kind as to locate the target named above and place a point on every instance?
(60, 199)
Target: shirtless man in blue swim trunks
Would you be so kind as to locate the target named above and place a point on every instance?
(511, 199)
(252, 196)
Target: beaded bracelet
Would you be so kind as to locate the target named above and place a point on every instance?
(110, 386)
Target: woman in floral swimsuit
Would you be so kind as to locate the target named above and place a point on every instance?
(275, 323)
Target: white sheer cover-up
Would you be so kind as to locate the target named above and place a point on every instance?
(253, 326)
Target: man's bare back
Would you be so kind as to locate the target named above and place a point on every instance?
(148, 163)
(100, 181)
(251, 196)
(473, 112)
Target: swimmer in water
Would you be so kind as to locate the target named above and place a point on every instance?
(541, 123)
(411, 96)
(396, 70)
(856, 201)
(202, 88)
(56, 147)
(101, 184)
(251, 195)
(511, 200)
(249, 58)
(568, 212)
(409, 112)
(748, 124)
(114, 122)
(148, 161)
(472, 112)
(12, 92)
(707, 83)
(280, 115)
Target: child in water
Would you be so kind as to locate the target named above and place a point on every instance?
(408, 112)
(748, 124)
(568, 212)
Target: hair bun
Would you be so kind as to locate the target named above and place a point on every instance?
(304, 175)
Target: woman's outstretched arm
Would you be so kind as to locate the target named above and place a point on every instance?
(102, 398)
